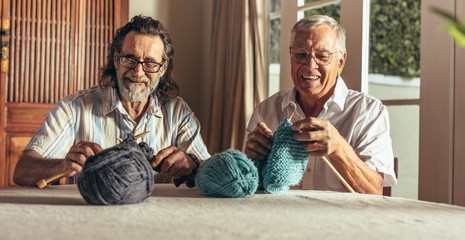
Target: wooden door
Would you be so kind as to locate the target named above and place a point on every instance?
(50, 48)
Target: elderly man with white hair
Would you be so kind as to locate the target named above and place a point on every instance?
(348, 127)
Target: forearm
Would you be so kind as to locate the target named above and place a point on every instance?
(358, 175)
(31, 167)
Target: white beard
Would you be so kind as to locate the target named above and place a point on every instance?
(133, 92)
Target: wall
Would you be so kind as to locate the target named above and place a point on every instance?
(442, 133)
(189, 24)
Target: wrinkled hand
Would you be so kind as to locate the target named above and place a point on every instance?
(78, 154)
(176, 162)
(318, 136)
(258, 145)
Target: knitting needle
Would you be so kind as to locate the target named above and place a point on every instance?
(332, 167)
(43, 182)
(141, 135)
(348, 187)
(136, 137)
(290, 116)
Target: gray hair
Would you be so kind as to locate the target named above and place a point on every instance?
(311, 22)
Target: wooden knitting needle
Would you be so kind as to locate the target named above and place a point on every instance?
(344, 182)
(135, 137)
(290, 116)
(348, 187)
(141, 135)
(43, 182)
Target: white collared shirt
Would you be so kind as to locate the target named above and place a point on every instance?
(361, 119)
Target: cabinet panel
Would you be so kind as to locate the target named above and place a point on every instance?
(15, 145)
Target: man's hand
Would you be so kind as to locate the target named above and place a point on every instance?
(258, 145)
(176, 162)
(78, 155)
(318, 136)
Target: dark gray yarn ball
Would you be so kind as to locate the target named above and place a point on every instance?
(118, 175)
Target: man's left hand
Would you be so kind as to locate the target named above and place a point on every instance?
(318, 136)
(177, 163)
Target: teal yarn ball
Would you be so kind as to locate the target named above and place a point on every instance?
(229, 174)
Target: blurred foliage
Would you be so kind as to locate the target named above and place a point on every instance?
(275, 5)
(333, 10)
(275, 28)
(395, 37)
(454, 27)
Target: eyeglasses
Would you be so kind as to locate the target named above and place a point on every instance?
(128, 62)
(300, 55)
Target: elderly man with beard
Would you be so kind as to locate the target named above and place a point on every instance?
(136, 94)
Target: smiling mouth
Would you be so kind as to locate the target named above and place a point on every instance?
(310, 77)
(134, 81)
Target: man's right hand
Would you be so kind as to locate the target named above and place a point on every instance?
(78, 155)
(258, 145)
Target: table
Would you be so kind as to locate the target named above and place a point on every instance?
(59, 212)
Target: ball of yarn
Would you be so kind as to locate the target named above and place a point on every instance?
(228, 174)
(118, 175)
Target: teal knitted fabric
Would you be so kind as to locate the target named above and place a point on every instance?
(286, 163)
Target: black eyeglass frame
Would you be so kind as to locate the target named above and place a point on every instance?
(143, 64)
(317, 60)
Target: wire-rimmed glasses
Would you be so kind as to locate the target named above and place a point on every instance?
(301, 55)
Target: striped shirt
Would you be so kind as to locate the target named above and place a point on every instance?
(97, 115)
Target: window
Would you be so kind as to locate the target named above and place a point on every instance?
(393, 65)
(394, 78)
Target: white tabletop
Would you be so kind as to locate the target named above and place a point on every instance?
(59, 212)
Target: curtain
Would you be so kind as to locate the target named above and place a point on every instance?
(238, 71)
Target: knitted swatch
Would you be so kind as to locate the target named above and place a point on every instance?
(228, 174)
(286, 163)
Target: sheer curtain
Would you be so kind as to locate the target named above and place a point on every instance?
(238, 71)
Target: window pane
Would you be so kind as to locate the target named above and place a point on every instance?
(275, 31)
(274, 51)
(405, 126)
(332, 10)
(395, 49)
(275, 6)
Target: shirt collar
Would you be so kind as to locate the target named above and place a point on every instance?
(111, 101)
(289, 100)
(340, 94)
(338, 97)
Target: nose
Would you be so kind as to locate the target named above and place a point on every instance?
(311, 62)
(138, 70)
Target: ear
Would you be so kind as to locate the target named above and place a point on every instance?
(341, 63)
(115, 60)
(163, 68)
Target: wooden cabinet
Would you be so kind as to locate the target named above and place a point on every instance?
(49, 49)
(23, 120)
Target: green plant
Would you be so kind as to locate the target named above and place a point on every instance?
(454, 27)
(395, 37)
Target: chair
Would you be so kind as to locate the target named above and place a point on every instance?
(387, 190)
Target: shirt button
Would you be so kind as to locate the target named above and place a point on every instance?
(309, 169)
